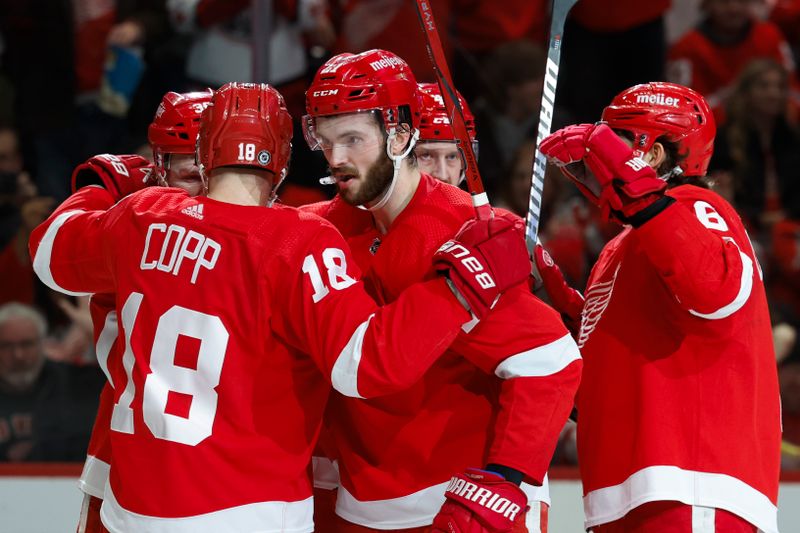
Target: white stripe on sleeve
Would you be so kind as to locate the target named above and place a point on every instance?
(745, 287)
(41, 262)
(541, 361)
(344, 375)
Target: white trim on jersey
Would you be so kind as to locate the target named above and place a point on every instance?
(94, 477)
(344, 374)
(418, 509)
(670, 483)
(105, 341)
(703, 519)
(745, 287)
(541, 361)
(41, 261)
(261, 517)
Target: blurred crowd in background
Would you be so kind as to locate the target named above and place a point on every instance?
(83, 77)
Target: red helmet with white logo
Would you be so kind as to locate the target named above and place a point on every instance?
(246, 125)
(351, 83)
(177, 121)
(434, 122)
(651, 110)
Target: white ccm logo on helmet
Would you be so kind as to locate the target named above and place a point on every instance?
(458, 251)
(657, 98)
(326, 92)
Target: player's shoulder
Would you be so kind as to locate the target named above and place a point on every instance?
(300, 224)
(154, 199)
(704, 202)
(691, 193)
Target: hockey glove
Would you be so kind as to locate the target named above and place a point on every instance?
(485, 258)
(120, 175)
(481, 502)
(612, 176)
(565, 299)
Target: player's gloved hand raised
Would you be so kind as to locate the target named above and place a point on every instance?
(610, 175)
(484, 259)
(481, 502)
(565, 299)
(120, 175)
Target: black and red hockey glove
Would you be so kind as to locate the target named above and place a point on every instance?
(486, 258)
(120, 175)
(608, 172)
(478, 501)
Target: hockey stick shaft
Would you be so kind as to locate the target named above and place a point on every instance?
(456, 114)
(560, 10)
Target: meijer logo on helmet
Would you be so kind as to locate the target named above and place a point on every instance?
(657, 98)
(386, 62)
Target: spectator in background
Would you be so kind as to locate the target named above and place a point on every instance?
(509, 112)
(786, 15)
(710, 57)
(478, 27)
(609, 46)
(54, 57)
(45, 407)
(758, 147)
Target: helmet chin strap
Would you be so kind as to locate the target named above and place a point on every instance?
(397, 161)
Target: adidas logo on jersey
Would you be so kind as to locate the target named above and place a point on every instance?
(194, 211)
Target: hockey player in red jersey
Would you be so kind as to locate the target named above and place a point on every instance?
(436, 150)
(236, 316)
(678, 409)
(172, 136)
(500, 396)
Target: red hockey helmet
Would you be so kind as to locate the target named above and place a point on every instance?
(651, 110)
(434, 122)
(246, 125)
(351, 83)
(176, 124)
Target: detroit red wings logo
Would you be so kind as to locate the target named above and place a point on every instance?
(597, 298)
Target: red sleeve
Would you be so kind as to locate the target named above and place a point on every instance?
(367, 351)
(701, 251)
(525, 345)
(70, 249)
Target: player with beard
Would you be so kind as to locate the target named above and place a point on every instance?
(436, 151)
(172, 136)
(679, 409)
(238, 315)
(493, 406)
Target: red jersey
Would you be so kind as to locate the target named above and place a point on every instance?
(679, 397)
(501, 394)
(235, 321)
(94, 477)
(711, 69)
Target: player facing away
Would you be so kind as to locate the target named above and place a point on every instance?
(236, 317)
(436, 150)
(172, 136)
(678, 409)
(498, 398)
